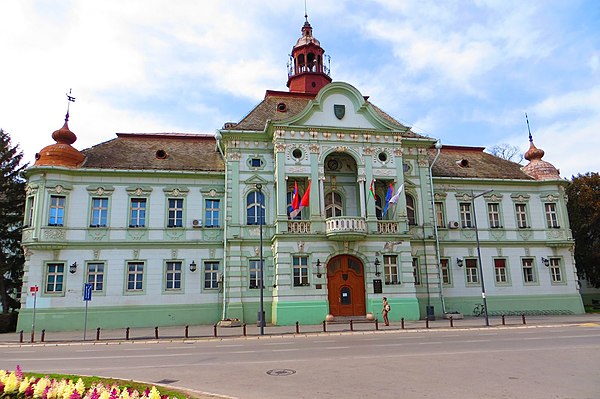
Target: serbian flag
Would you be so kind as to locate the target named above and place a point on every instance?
(304, 202)
(388, 197)
(295, 197)
(372, 189)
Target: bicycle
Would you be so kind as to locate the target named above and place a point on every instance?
(478, 310)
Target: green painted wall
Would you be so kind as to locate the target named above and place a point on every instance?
(406, 308)
(304, 312)
(515, 303)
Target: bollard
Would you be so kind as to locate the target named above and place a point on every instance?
(376, 325)
(402, 323)
(21, 336)
(43, 335)
(98, 334)
(351, 325)
(244, 328)
(297, 328)
(187, 330)
(156, 332)
(215, 331)
(451, 322)
(32, 336)
(523, 318)
(127, 333)
(503, 320)
(427, 322)
(324, 326)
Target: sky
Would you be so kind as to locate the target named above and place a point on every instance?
(462, 71)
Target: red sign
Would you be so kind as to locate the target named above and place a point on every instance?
(35, 288)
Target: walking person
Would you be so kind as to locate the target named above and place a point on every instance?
(385, 310)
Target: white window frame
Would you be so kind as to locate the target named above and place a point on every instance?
(99, 212)
(57, 210)
(138, 276)
(494, 217)
(466, 215)
(528, 271)
(255, 208)
(300, 271)
(140, 219)
(390, 269)
(556, 271)
(472, 271)
(416, 271)
(521, 215)
(173, 275)
(333, 204)
(212, 212)
(551, 215)
(211, 274)
(501, 271)
(445, 269)
(254, 274)
(175, 207)
(440, 215)
(55, 278)
(95, 275)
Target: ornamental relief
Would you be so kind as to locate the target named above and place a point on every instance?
(555, 235)
(97, 235)
(367, 151)
(280, 147)
(423, 163)
(298, 169)
(314, 148)
(136, 234)
(525, 235)
(27, 235)
(399, 151)
(498, 234)
(174, 235)
(379, 172)
(235, 156)
(211, 235)
(468, 234)
(54, 234)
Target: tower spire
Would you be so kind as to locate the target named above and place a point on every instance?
(70, 99)
(529, 130)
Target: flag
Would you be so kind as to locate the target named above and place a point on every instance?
(372, 189)
(388, 197)
(295, 197)
(304, 202)
(394, 199)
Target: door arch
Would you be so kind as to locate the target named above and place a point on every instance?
(346, 286)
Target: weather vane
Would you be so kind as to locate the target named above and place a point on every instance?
(70, 99)
(529, 130)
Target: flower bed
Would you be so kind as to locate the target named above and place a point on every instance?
(14, 385)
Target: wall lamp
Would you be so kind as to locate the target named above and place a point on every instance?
(546, 262)
(377, 273)
(319, 268)
(193, 266)
(459, 262)
(73, 268)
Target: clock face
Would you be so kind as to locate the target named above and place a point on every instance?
(332, 164)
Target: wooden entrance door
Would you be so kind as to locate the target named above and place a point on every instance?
(346, 286)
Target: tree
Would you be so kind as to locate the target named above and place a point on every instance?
(12, 204)
(584, 215)
(507, 151)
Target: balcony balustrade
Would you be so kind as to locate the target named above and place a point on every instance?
(345, 228)
(387, 227)
(298, 227)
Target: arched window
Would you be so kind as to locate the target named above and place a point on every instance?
(255, 208)
(301, 66)
(410, 210)
(333, 204)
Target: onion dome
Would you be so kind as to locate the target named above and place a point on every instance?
(536, 168)
(307, 37)
(61, 153)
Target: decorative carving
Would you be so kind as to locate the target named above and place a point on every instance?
(341, 136)
(27, 235)
(341, 148)
(280, 147)
(257, 251)
(27, 253)
(211, 252)
(212, 192)
(59, 189)
(136, 254)
(423, 163)
(55, 254)
(368, 151)
(136, 234)
(173, 253)
(314, 148)
(235, 156)
(174, 234)
(525, 234)
(326, 135)
(399, 151)
(100, 190)
(353, 136)
(527, 251)
(97, 235)
(498, 234)
(139, 191)
(96, 254)
(54, 234)
(300, 246)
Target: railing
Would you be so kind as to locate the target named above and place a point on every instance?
(346, 224)
(386, 227)
(298, 227)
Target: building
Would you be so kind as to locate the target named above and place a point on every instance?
(344, 203)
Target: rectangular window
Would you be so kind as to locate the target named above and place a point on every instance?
(472, 272)
(135, 276)
(555, 270)
(57, 210)
(175, 212)
(54, 278)
(211, 275)
(551, 217)
(500, 271)
(137, 212)
(521, 211)
(494, 215)
(99, 216)
(173, 276)
(416, 271)
(300, 266)
(465, 215)
(439, 215)
(95, 276)
(211, 212)
(390, 269)
(445, 263)
(30, 209)
(528, 272)
(254, 273)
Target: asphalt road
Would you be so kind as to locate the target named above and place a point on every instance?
(541, 362)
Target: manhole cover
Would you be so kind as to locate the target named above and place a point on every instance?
(165, 381)
(281, 372)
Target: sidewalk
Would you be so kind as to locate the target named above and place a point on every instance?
(178, 333)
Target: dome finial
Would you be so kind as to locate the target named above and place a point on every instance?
(70, 99)
(529, 130)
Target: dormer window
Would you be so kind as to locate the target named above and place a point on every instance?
(281, 107)
(161, 154)
(463, 163)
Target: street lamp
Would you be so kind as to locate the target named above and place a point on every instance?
(485, 308)
(261, 314)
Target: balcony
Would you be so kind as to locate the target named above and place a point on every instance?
(345, 228)
(387, 227)
(298, 227)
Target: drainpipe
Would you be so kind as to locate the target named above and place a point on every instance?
(438, 147)
(218, 137)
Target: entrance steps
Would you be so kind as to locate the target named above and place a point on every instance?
(347, 319)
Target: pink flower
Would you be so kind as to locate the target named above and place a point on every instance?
(19, 372)
(75, 395)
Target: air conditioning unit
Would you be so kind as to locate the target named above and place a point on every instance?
(453, 225)
(197, 223)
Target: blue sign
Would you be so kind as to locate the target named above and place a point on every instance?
(87, 292)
